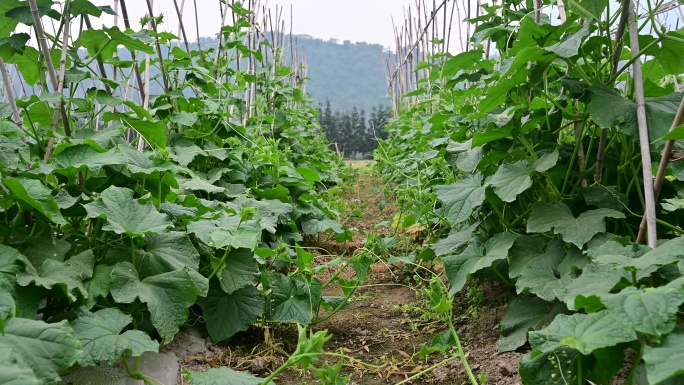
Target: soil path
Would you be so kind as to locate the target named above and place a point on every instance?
(385, 324)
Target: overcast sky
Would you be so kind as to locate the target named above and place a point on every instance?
(356, 20)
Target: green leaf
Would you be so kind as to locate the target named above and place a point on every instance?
(101, 338)
(578, 231)
(167, 296)
(321, 225)
(14, 370)
(524, 314)
(35, 194)
(535, 251)
(664, 361)
(582, 332)
(68, 276)
(510, 180)
(81, 7)
(48, 349)
(239, 270)
(667, 253)
(184, 118)
(308, 348)
(125, 215)
(164, 253)
(650, 311)
(98, 285)
(227, 231)
(154, 132)
(84, 157)
(102, 44)
(455, 242)
(546, 161)
(293, 299)
(223, 376)
(591, 9)
(569, 47)
(461, 198)
(227, 314)
(476, 257)
(548, 278)
(309, 174)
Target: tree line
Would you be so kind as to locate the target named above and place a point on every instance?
(352, 132)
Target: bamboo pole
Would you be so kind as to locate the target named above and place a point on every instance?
(153, 24)
(10, 97)
(136, 67)
(643, 131)
(42, 42)
(181, 27)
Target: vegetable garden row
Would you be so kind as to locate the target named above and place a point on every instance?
(524, 160)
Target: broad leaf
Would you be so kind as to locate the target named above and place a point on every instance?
(460, 199)
(167, 296)
(578, 231)
(68, 276)
(48, 349)
(164, 253)
(511, 180)
(36, 195)
(477, 256)
(293, 299)
(523, 315)
(239, 270)
(582, 332)
(227, 314)
(650, 311)
(223, 376)
(664, 361)
(125, 215)
(102, 340)
(455, 242)
(14, 370)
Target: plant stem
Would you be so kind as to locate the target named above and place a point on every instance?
(220, 264)
(428, 369)
(635, 365)
(461, 354)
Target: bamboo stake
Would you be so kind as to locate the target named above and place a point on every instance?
(42, 42)
(643, 131)
(60, 84)
(153, 24)
(181, 27)
(136, 67)
(10, 97)
(199, 42)
(100, 64)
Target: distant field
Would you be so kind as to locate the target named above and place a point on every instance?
(359, 163)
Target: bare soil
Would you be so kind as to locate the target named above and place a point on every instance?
(385, 324)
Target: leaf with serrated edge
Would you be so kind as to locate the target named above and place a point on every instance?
(49, 349)
(578, 231)
(664, 361)
(511, 180)
(101, 338)
(650, 311)
(475, 257)
(167, 296)
(223, 376)
(583, 332)
(460, 199)
(125, 215)
(227, 314)
(524, 314)
(36, 195)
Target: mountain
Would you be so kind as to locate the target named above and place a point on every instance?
(348, 74)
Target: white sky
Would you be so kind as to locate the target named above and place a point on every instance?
(356, 20)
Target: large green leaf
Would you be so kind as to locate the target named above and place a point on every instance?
(68, 275)
(595, 282)
(103, 43)
(293, 299)
(98, 286)
(35, 194)
(582, 332)
(227, 314)
(578, 231)
(14, 370)
(570, 45)
(524, 314)
(164, 253)
(477, 256)
(667, 253)
(455, 242)
(664, 361)
(83, 157)
(460, 199)
(167, 296)
(511, 180)
(101, 338)
(227, 231)
(223, 376)
(535, 251)
(48, 349)
(125, 215)
(650, 311)
(153, 131)
(239, 270)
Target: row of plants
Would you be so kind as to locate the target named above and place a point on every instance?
(182, 207)
(520, 160)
